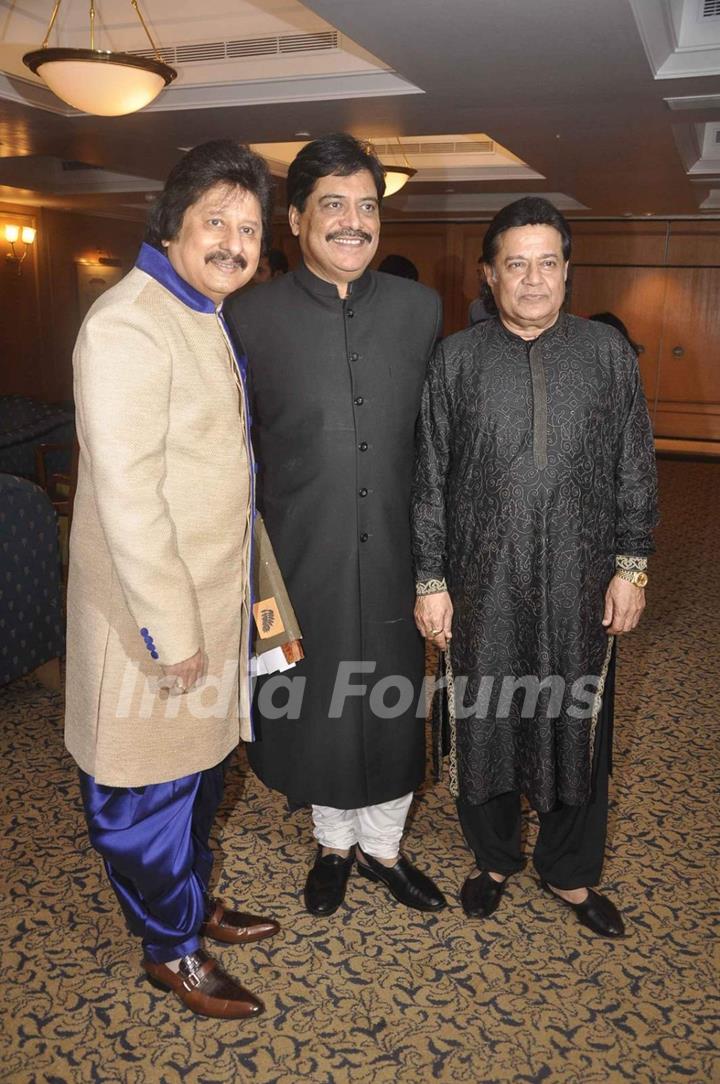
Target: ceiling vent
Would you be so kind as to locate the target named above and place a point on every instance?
(246, 48)
(252, 47)
(207, 50)
(711, 9)
(308, 43)
(467, 146)
(418, 149)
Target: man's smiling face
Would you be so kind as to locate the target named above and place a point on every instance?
(217, 247)
(339, 227)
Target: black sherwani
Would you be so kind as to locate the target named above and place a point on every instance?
(335, 392)
(535, 469)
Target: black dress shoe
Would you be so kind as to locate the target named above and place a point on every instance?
(596, 912)
(326, 882)
(407, 884)
(480, 896)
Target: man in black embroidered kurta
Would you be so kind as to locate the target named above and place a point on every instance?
(533, 507)
(337, 357)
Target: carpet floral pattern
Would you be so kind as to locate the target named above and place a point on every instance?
(377, 993)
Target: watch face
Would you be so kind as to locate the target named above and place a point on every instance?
(641, 579)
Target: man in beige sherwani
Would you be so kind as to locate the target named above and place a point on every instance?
(159, 598)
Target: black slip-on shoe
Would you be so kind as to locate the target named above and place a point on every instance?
(407, 884)
(326, 882)
(480, 896)
(596, 912)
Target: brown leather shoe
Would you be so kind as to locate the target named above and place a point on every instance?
(236, 927)
(204, 987)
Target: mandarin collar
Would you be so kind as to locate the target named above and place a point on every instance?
(320, 288)
(544, 336)
(156, 264)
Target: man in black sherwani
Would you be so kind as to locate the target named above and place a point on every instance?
(337, 355)
(533, 509)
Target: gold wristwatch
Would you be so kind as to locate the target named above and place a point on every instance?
(634, 576)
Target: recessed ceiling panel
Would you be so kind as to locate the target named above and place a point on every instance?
(694, 101)
(62, 177)
(681, 37)
(226, 54)
(437, 158)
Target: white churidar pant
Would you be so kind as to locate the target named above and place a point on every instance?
(377, 828)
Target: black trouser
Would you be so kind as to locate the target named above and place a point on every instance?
(571, 841)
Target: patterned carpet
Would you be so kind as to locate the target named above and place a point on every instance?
(378, 994)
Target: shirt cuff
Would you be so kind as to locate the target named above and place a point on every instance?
(625, 563)
(430, 587)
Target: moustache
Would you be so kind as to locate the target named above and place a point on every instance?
(221, 255)
(363, 235)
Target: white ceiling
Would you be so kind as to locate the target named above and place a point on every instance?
(681, 37)
(576, 94)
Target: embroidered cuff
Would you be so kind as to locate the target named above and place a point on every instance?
(624, 563)
(430, 587)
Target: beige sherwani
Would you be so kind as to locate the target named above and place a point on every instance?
(159, 552)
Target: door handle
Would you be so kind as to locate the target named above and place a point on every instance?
(678, 352)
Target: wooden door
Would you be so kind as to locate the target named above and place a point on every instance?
(637, 296)
(688, 398)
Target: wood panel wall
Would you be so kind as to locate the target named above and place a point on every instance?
(40, 307)
(663, 280)
(661, 277)
(22, 364)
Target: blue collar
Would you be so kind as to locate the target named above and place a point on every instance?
(158, 266)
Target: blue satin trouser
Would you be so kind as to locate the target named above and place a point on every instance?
(154, 841)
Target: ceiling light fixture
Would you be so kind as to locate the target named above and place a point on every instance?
(396, 177)
(97, 81)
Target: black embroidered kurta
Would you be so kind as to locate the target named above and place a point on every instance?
(535, 468)
(335, 391)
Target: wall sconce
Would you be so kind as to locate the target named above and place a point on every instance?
(13, 234)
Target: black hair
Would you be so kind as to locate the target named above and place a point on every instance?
(278, 262)
(338, 154)
(400, 266)
(221, 161)
(614, 321)
(528, 211)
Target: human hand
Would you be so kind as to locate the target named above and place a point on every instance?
(180, 677)
(433, 617)
(624, 604)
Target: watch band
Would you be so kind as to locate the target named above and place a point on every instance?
(637, 577)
